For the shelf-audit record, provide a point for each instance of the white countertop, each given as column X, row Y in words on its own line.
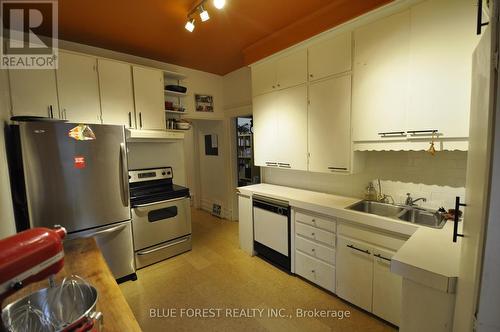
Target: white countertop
column 428, row 257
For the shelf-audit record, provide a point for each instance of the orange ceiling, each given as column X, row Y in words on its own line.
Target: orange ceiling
column 243, row 32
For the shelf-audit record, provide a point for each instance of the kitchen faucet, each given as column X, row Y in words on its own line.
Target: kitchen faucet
column 410, row 201
column 383, row 198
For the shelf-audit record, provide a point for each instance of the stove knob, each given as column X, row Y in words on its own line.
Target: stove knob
column 163, row 173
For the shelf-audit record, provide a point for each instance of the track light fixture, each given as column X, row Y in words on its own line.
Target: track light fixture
column 204, row 16
column 190, row 25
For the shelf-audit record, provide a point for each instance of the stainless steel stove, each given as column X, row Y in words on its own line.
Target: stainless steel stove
column 161, row 215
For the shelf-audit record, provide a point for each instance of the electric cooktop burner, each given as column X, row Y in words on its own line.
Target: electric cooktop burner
column 154, row 185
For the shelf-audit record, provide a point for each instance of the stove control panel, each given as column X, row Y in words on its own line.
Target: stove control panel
column 141, row 175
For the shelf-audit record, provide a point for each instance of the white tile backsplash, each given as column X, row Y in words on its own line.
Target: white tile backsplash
column 438, row 178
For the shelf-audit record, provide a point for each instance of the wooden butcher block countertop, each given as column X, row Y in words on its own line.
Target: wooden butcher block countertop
column 84, row 259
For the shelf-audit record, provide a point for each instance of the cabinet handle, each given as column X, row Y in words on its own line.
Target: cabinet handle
column 284, row 165
column 416, row 132
column 382, row 257
column 455, row 219
column 480, row 22
column 361, row 250
column 274, row 87
column 140, row 120
column 130, row 119
column 51, row 112
column 337, row 168
column 313, row 271
column 392, row 133
column 313, row 250
column 312, row 234
column 314, row 220
column 271, row 163
column 279, row 85
column 311, row 75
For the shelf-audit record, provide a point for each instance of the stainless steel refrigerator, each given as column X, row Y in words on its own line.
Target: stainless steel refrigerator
column 76, row 175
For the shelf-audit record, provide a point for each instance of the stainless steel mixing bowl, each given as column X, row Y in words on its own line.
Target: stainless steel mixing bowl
column 60, row 308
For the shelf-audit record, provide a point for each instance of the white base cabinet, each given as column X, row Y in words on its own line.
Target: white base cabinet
column 245, row 223
column 315, row 248
column 355, row 272
column 363, row 271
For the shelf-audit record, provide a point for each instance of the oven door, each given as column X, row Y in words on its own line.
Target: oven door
column 162, row 221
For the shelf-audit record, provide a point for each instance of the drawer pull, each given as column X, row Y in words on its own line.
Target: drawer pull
column 313, row 250
column 382, row 257
column 313, row 271
column 312, row 234
column 314, row 220
column 358, row 249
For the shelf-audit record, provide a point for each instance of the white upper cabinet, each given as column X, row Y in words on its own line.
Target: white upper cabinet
column 280, row 128
column 78, row 88
column 34, row 92
column 285, row 72
column 117, row 95
column 149, row 98
column 291, row 142
column 329, row 57
column 380, row 79
column 329, row 124
column 263, row 78
column 291, row 70
column 265, row 120
column 441, row 45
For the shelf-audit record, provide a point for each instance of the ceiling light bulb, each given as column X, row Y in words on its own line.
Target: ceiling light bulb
column 204, row 14
column 190, row 25
column 219, row 4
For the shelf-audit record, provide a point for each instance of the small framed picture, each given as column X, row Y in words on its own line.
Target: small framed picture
column 204, row 103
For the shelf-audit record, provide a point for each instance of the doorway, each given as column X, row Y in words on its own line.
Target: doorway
column 247, row 172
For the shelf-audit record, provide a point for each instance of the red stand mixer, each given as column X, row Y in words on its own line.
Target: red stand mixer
column 34, row 255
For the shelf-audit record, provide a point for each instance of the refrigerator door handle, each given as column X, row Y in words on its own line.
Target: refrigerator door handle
column 104, row 231
column 126, row 193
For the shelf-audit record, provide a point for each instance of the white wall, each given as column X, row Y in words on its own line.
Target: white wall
column 7, row 224
column 439, row 178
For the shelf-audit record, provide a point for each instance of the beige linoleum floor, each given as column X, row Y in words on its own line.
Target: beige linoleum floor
column 216, row 274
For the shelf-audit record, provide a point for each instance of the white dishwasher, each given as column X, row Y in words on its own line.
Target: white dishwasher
column 271, row 227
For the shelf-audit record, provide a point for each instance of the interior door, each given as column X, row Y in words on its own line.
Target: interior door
column 117, row 94
column 78, row 88
column 483, row 103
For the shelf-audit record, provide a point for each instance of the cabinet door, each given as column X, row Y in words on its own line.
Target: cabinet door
column 330, row 125
column 245, row 223
column 329, row 57
column 291, row 70
column 265, row 129
column 34, row 92
column 386, row 288
column 117, row 94
column 78, row 88
column 354, row 272
column 291, row 143
column 149, row 98
column 440, row 66
column 380, row 81
column 263, row 78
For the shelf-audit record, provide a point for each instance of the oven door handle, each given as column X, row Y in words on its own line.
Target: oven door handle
column 145, row 252
column 159, row 202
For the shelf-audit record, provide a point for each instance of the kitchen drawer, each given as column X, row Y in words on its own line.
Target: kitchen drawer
column 315, row 271
column 315, row 249
column 320, row 222
column 369, row 235
column 315, row 234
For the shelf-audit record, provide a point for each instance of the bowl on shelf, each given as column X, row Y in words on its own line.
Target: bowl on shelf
column 182, row 125
column 176, row 88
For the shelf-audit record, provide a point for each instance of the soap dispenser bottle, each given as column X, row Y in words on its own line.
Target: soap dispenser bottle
column 371, row 193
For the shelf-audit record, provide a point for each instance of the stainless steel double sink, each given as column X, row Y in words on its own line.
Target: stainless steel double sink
column 413, row 214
